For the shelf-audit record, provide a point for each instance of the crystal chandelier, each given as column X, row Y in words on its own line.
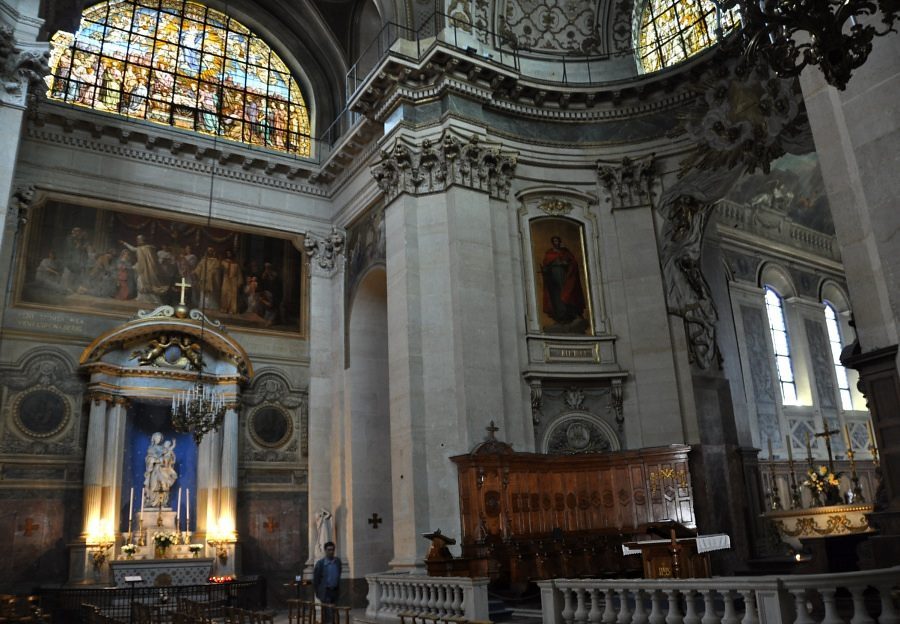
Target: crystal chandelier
column 198, row 410
column 788, row 35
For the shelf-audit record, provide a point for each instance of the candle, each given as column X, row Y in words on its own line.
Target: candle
column 178, row 512
column 130, row 508
column 847, row 436
column 871, row 433
column 142, row 501
column 187, row 501
column 770, row 448
column 787, row 440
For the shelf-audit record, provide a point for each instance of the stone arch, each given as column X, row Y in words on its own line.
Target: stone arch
column 778, row 278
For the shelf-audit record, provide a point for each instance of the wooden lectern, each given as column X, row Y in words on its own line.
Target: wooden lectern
column 673, row 556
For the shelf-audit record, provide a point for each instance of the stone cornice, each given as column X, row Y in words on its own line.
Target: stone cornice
column 434, row 166
column 442, row 68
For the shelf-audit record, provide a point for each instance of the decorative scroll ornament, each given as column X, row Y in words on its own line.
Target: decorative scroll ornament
column 167, row 311
column 432, row 168
column 744, row 118
column 616, row 400
column 323, row 250
column 555, row 207
column 20, row 69
column 687, row 293
column 574, row 398
column 629, row 183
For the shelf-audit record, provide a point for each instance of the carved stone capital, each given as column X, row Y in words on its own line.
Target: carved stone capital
column 19, row 205
column 433, row 167
column 20, row 69
column 323, row 250
column 628, row 183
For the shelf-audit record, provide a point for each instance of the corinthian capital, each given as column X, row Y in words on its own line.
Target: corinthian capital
column 20, row 68
column 629, row 183
column 323, row 250
column 434, row 166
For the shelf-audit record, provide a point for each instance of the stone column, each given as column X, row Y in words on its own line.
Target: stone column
column 857, row 136
column 229, row 472
column 20, row 72
column 325, row 361
column 94, row 455
column 209, row 455
column 112, row 469
column 446, row 276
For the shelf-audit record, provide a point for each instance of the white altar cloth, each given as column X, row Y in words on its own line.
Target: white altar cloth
column 705, row 543
column 162, row 572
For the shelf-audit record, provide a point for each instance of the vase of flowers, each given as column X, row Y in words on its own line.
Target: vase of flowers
column 161, row 543
column 128, row 550
column 195, row 549
column 824, row 486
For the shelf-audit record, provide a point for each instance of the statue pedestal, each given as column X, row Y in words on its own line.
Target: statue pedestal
column 157, row 520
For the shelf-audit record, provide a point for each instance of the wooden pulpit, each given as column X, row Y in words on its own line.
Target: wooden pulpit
column 680, row 553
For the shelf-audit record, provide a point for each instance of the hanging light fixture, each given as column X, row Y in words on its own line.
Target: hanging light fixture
column 201, row 408
column 836, row 35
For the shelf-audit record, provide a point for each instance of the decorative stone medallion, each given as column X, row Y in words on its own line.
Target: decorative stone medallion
column 578, row 433
column 271, row 426
column 41, row 413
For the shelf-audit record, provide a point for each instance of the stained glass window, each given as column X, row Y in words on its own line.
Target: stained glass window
column 781, row 347
column 673, row 30
column 180, row 63
column 834, row 339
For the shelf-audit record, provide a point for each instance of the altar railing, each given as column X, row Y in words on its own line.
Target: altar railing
column 857, row 597
column 393, row 594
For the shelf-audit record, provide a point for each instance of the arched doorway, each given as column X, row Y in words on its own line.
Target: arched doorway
column 367, row 432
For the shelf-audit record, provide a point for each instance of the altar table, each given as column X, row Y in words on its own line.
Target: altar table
column 162, row 572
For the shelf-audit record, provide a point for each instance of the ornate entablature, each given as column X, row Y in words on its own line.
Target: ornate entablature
column 435, row 165
column 156, row 354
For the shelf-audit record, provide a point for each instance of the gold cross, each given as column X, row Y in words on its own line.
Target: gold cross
column 182, row 285
column 827, row 433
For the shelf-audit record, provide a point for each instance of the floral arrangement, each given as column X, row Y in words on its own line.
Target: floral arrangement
column 824, row 484
column 164, row 539
column 129, row 549
column 195, row 548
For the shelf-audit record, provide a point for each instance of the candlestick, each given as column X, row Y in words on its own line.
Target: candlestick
column 787, row 440
column 769, row 440
column 808, row 450
column 871, row 433
column 847, row 437
column 142, row 501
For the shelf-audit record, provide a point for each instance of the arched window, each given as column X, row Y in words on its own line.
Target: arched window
column 180, row 63
column 834, row 337
column 781, row 346
column 673, row 30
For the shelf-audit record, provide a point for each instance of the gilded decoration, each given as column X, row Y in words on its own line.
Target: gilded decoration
column 822, row 521
column 170, row 351
column 555, row 207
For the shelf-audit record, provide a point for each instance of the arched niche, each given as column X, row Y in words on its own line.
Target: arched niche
column 134, row 372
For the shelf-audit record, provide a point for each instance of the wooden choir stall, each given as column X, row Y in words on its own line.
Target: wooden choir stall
column 529, row 516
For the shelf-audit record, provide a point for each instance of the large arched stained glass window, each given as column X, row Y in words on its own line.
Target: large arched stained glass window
column 673, row 30
column 183, row 64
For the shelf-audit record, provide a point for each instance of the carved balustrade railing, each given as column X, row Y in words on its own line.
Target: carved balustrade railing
column 855, row 597
column 393, row 594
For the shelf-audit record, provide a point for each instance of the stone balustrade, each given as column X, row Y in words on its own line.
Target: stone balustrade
column 800, row 599
column 391, row 594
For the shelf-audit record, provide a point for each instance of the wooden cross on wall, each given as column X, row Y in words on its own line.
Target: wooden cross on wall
column 375, row 520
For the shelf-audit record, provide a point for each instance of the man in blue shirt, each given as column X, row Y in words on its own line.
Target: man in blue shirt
column 326, row 581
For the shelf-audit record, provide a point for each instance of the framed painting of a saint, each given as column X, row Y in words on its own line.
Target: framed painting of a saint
column 561, row 276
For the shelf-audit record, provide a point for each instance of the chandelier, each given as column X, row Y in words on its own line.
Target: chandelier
column 788, row 35
column 198, row 410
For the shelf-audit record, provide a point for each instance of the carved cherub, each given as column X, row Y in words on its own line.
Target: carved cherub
column 157, row 348
column 191, row 350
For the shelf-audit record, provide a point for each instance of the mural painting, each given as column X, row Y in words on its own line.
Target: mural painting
column 561, row 277
column 95, row 260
